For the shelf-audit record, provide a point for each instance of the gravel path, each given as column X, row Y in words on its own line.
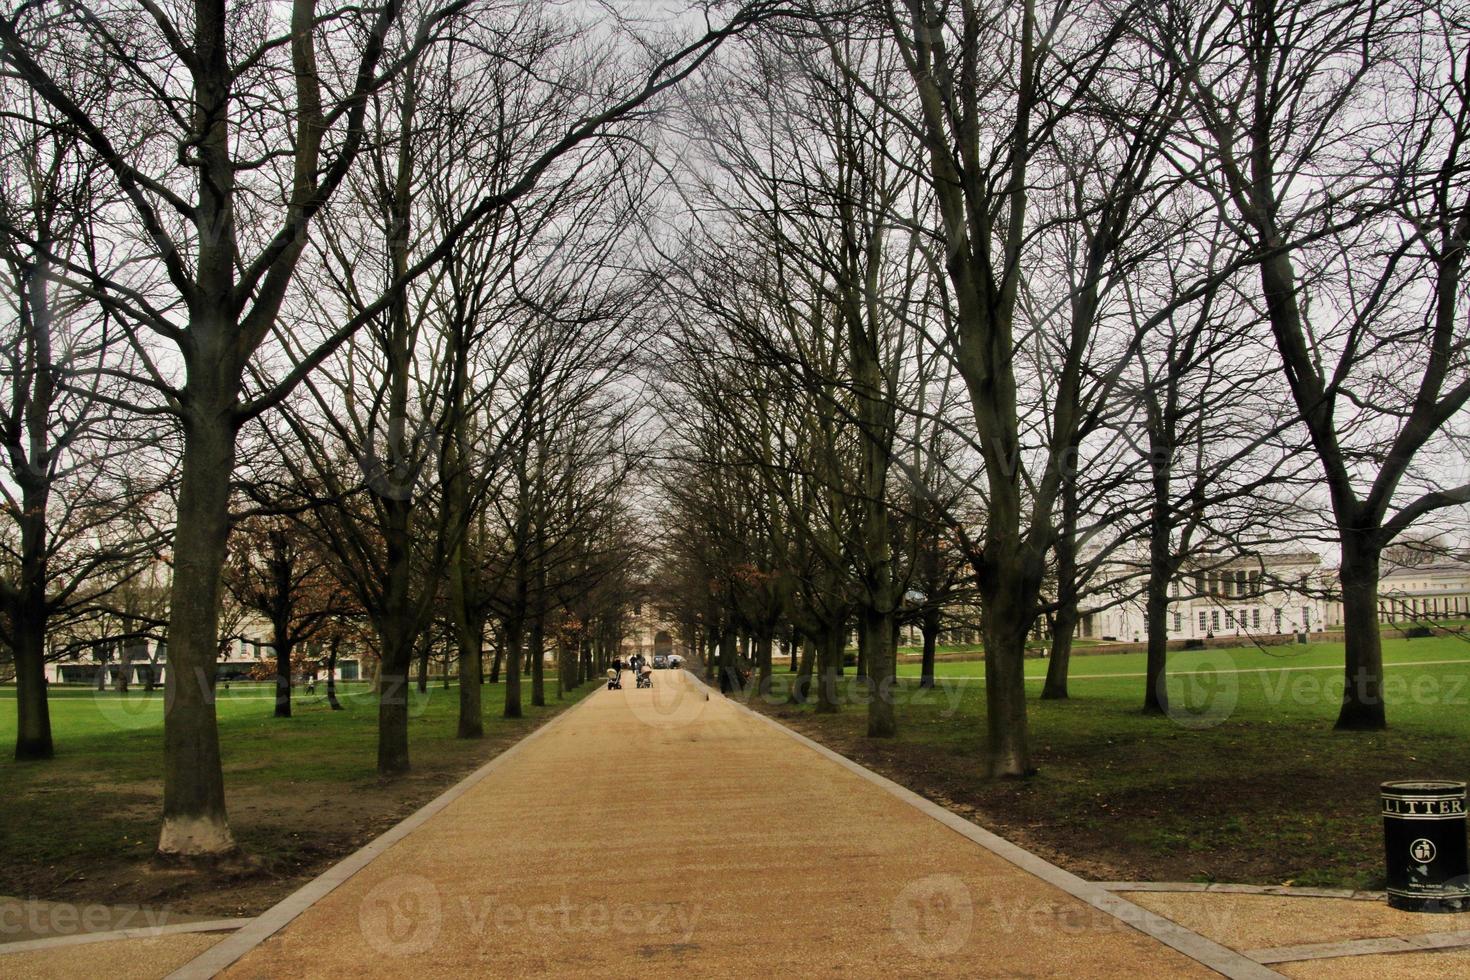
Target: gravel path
column 670, row 832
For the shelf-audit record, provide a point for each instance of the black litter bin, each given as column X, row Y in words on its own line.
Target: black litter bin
column 1424, row 842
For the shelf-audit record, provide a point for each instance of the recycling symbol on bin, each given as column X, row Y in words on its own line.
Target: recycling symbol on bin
column 1422, row 850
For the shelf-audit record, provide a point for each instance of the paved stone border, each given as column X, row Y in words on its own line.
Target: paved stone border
column 137, row 932
column 1206, row 952
column 277, row 917
column 1225, row 888
column 1361, row 947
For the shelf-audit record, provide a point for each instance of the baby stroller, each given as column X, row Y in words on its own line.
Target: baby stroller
column 645, row 676
column 614, row 680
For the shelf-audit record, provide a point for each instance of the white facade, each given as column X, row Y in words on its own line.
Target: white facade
column 650, row 634
column 1265, row 595
column 1433, row 591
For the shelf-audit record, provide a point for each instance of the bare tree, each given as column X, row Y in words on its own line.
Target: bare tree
column 1333, row 139
column 223, row 203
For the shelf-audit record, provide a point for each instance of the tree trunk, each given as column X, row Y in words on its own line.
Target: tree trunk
column 425, row 647
column 332, row 676
column 729, row 666
column 397, row 631
column 470, row 636
column 711, row 655
column 929, row 627
column 194, row 821
column 1156, row 619
column 830, row 649
column 1059, row 659
column 763, row 653
column 801, row 685
column 29, row 614
column 565, row 675
column 1064, row 623
column 1362, row 695
column 397, row 661
column 795, row 646
column 282, row 641
column 1007, row 619
column 33, row 715
column 538, row 661
column 882, row 676
column 513, row 629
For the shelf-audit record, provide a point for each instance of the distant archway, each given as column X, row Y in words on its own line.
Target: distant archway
column 663, row 644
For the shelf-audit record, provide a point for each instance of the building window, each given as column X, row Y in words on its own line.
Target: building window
column 1256, row 618
column 1203, row 625
column 1229, row 618
column 1214, row 619
column 1276, row 618
column 1178, row 621
column 1306, row 617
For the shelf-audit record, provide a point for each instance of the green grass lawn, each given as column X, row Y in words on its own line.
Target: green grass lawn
column 302, row 791
column 1246, row 782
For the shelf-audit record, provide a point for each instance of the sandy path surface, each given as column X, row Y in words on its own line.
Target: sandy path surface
column 122, row 959
column 665, row 832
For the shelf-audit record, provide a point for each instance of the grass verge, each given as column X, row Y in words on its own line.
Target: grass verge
column 302, row 792
column 1246, row 781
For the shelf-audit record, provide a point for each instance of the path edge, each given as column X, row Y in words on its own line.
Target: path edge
column 112, row 935
column 1223, row 960
column 227, row 952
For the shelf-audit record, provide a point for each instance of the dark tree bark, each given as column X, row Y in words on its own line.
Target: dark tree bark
column 421, row 657
column 334, row 643
column 830, row 646
column 729, row 663
column 538, row 660
column 929, row 628
column 1064, row 619
column 514, row 629
column 194, row 822
column 763, row 654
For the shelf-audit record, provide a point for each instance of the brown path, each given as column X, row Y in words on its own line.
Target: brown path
column 669, row 832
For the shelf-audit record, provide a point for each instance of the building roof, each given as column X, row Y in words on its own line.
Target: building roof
column 1433, row 569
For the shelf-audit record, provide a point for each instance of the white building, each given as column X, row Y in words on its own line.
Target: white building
column 650, row 634
column 1262, row 595
column 1434, row 591
column 242, row 656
